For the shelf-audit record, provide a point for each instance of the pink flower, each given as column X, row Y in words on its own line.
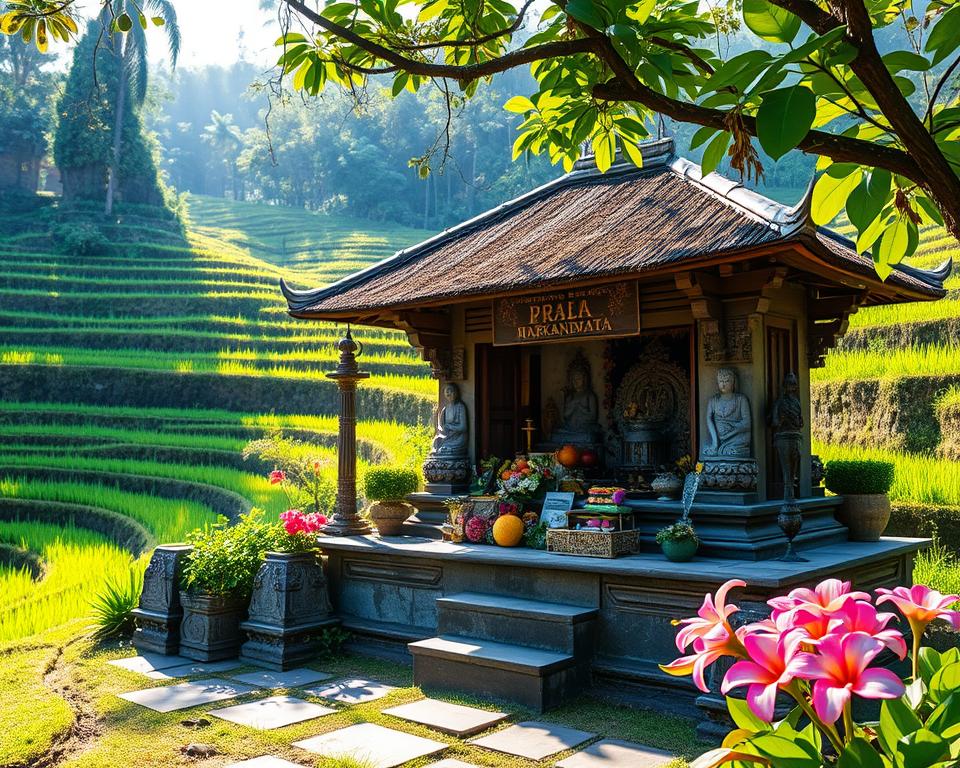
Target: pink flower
column 829, row 595
column 475, row 529
column 293, row 522
column 921, row 605
column 858, row 616
column 277, row 476
column 315, row 521
column 711, row 620
column 771, row 666
column 840, row 669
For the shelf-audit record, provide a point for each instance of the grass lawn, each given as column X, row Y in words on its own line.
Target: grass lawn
column 115, row 732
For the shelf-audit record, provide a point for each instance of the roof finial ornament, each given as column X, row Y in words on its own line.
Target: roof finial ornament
column 800, row 216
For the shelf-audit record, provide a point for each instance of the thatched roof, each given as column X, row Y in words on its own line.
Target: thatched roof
column 587, row 225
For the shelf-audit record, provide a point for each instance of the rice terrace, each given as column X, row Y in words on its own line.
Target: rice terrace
column 492, row 385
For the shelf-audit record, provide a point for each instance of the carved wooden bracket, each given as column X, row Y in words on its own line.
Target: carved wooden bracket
column 827, row 320
column 774, row 281
column 429, row 331
column 701, row 289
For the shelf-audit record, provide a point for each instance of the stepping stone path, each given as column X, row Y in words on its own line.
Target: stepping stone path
column 611, row 753
column 265, row 762
column 173, row 697
column 368, row 743
column 274, row 712
column 351, row 691
column 149, row 662
column 192, row 668
column 454, row 719
column 293, row 678
column 534, row 740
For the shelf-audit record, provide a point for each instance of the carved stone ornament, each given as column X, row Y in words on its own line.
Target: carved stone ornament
column 210, row 630
column 289, row 608
column 729, row 474
column 727, row 341
column 159, row 612
column 446, row 470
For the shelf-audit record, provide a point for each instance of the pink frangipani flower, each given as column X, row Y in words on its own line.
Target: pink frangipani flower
column 706, row 651
column 858, row 616
column 921, row 605
column 710, row 623
column 829, row 595
column 771, row 666
column 839, row 670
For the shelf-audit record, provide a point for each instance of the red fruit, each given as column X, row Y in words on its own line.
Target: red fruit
column 589, row 458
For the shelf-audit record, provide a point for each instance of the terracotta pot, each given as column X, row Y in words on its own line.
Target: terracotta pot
column 389, row 516
column 865, row 514
column 680, row 551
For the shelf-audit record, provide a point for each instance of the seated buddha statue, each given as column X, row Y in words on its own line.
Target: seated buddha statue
column 728, row 419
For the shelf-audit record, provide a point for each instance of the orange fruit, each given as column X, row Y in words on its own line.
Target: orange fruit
column 508, row 530
column 505, row 475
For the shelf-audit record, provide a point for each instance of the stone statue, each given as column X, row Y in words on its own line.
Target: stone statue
column 580, row 422
column 452, row 425
column 728, row 419
column 786, row 420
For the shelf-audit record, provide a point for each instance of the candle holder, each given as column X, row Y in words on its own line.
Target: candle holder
column 790, row 521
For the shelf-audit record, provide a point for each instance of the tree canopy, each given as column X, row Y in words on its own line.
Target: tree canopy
column 886, row 126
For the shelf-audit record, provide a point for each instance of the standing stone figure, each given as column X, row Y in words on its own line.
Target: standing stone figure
column 786, row 420
column 581, row 408
column 728, row 419
column 452, row 425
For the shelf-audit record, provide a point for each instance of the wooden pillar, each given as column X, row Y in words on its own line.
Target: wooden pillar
column 345, row 520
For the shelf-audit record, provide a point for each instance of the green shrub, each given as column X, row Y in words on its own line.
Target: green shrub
column 113, row 606
column 390, row 483
column 937, row 521
column 863, row 476
column 225, row 557
column 80, row 238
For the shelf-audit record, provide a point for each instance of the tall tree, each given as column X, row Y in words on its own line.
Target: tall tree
column 225, row 137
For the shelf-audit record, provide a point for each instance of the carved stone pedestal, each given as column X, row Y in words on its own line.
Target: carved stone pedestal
column 288, row 609
column 729, row 474
column 210, row 630
column 446, row 474
column 159, row 613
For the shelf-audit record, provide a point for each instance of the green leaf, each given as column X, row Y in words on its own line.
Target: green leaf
column 158, row 21
column 701, row 136
column 945, row 36
column 642, row 11
column 770, row 22
column 945, row 719
column 896, row 721
column 862, row 207
column 922, row 749
column 830, row 195
column 859, row 754
column 893, row 244
column 519, row 104
column 786, row 753
column 632, row 151
column 714, row 152
column 604, row 150
column 744, row 717
column 123, row 22
column 586, row 11
column 900, row 60
column 944, row 682
column 784, row 118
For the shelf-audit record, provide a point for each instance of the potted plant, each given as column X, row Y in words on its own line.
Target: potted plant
column 216, row 582
column 289, row 606
column 679, row 541
column 387, row 487
column 864, row 486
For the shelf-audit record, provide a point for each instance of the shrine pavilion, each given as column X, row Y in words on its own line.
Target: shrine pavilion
column 640, row 315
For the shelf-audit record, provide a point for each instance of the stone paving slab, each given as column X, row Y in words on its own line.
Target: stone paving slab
column 369, row 743
column 611, row 753
column 267, row 761
column 454, row 719
column 149, row 662
column 185, row 695
column 534, row 740
column 193, row 668
column 273, row 712
column 354, row 691
column 292, row 678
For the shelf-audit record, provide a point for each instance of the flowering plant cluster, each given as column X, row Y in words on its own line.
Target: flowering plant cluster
column 300, row 473
column 819, row 647
column 300, row 530
column 526, row 478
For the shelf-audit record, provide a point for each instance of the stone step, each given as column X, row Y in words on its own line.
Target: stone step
column 550, row 626
column 532, row 677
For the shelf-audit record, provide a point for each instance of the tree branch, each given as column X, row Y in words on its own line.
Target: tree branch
column 684, row 51
column 465, row 72
column 476, row 42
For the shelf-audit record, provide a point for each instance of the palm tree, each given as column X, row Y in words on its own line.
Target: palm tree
column 225, row 137
column 131, row 48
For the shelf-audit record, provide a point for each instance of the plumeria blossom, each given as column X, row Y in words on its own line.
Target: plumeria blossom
column 773, row 664
column 841, row 668
column 710, row 623
column 705, row 653
column 277, row 476
column 921, row 605
column 859, row 616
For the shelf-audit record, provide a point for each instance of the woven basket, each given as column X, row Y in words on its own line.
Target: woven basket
column 564, row 541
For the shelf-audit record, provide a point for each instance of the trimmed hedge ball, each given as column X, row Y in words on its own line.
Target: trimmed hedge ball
column 858, row 477
column 390, row 483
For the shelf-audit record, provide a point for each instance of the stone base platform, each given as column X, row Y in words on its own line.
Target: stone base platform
column 386, row 592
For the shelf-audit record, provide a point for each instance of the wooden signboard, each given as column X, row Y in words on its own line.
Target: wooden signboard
column 578, row 313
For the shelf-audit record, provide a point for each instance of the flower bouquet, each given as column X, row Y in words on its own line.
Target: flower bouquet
column 819, row 649
column 527, row 479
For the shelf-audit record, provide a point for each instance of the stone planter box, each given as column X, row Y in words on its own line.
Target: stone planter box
column 289, row 608
column 159, row 612
column 210, row 630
